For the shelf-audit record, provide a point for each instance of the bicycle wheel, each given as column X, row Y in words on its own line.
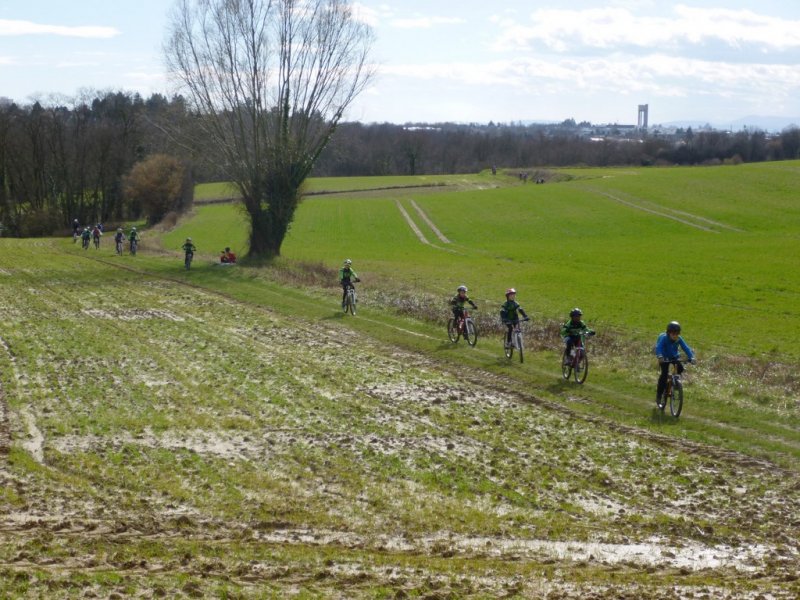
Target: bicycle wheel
column 509, row 349
column 566, row 365
column 452, row 330
column 581, row 366
column 187, row 261
column 676, row 398
column 351, row 301
column 519, row 345
column 471, row 332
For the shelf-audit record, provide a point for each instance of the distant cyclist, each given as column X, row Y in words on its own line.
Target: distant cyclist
column 572, row 330
column 133, row 239
column 188, row 249
column 76, row 229
column 457, row 303
column 119, row 238
column 86, row 236
column 509, row 313
column 96, row 233
column 346, row 278
column 667, row 351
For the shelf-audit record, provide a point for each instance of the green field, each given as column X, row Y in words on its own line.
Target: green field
column 227, row 432
column 713, row 248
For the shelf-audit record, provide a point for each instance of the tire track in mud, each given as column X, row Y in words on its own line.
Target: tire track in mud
column 510, row 387
column 5, row 424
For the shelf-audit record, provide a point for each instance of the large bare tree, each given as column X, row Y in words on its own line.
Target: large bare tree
column 269, row 81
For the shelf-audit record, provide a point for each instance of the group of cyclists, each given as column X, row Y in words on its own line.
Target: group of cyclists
column 88, row 235
column 667, row 348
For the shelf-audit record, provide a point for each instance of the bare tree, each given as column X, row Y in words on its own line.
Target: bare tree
column 269, row 81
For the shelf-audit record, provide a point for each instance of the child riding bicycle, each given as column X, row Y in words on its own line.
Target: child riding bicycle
column 667, row 352
column 346, row 278
column 508, row 313
column 457, row 303
column 572, row 330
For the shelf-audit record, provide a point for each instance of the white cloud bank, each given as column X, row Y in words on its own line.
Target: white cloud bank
column 14, row 28
column 608, row 28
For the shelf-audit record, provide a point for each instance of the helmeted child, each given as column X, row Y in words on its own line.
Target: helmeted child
column 86, row 235
column 667, row 352
column 346, row 278
column 458, row 301
column 509, row 313
column 572, row 330
column 96, row 233
column 188, row 247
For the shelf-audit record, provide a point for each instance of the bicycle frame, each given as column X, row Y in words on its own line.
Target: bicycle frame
column 577, row 364
column 673, row 392
column 516, row 342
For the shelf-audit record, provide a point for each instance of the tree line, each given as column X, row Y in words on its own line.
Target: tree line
column 87, row 158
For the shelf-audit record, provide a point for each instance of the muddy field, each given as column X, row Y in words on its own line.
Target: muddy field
column 160, row 440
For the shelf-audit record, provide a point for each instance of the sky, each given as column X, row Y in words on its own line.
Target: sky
column 465, row 60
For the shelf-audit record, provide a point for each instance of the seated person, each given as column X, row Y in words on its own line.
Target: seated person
column 223, row 257
column 230, row 255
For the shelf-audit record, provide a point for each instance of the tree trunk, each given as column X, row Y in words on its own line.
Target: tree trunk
column 269, row 225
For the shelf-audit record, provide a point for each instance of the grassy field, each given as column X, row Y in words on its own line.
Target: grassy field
column 227, row 432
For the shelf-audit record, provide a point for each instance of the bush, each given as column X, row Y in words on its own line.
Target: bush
column 158, row 185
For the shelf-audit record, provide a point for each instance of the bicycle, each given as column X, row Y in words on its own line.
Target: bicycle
column 96, row 243
column 516, row 341
column 85, row 243
column 350, row 299
column 75, row 236
column 119, row 247
column 134, row 245
column 577, row 362
column 187, row 261
column 674, row 391
column 464, row 327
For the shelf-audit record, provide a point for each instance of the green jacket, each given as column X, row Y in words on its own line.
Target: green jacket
column 509, row 310
column 346, row 274
column 134, row 235
column 572, row 329
column 459, row 302
column 189, row 248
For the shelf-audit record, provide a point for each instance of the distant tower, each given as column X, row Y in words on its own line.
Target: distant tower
column 642, row 123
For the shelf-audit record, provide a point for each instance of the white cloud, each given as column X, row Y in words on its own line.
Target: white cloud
column 426, row 22
column 606, row 28
column 9, row 28
column 655, row 75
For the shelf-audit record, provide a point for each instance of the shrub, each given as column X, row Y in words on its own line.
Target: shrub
column 158, row 185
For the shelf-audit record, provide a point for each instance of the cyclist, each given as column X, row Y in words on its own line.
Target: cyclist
column 76, row 229
column 133, row 238
column 86, row 235
column 346, row 278
column 508, row 313
column 119, row 237
column 96, row 233
column 572, row 330
column 188, row 247
column 666, row 350
column 457, row 303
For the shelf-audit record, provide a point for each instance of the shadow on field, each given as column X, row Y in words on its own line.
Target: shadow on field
column 338, row 315
column 662, row 418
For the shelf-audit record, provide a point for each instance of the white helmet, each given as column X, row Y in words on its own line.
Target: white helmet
column 348, row 262
column 462, row 288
